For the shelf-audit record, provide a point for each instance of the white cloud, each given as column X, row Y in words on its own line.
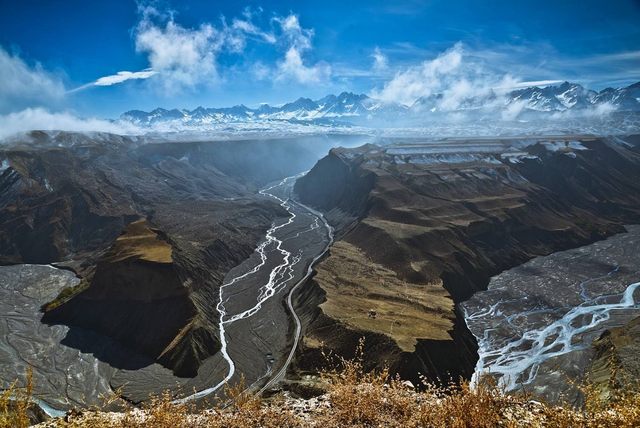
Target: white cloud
column 41, row 119
column 185, row 58
column 260, row 71
column 380, row 60
column 24, row 85
column 247, row 27
column 297, row 37
column 292, row 67
column 298, row 40
column 424, row 79
column 123, row 76
column 460, row 75
column 120, row 77
column 512, row 111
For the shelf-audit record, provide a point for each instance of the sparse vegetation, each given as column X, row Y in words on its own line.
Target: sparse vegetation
column 354, row 398
column 15, row 404
column 66, row 294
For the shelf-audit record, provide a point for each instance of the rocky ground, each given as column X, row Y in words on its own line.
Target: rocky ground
column 64, row 374
column 432, row 222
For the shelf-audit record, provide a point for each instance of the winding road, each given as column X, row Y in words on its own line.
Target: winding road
column 281, row 263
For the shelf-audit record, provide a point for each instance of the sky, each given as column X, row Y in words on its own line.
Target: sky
column 100, row 58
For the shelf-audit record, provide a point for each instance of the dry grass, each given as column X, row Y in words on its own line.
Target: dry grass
column 16, row 405
column 354, row 398
column 66, row 294
column 404, row 311
column 139, row 240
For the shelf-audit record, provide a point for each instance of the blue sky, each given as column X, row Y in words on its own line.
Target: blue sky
column 221, row 53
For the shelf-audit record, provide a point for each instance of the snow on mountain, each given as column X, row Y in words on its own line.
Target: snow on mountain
column 360, row 109
column 554, row 98
column 623, row 98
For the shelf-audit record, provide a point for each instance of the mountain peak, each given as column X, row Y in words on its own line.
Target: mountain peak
column 361, row 108
column 300, row 104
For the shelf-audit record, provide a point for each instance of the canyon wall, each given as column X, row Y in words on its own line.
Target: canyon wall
column 445, row 216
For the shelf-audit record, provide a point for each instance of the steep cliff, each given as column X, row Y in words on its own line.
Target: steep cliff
column 448, row 215
column 615, row 362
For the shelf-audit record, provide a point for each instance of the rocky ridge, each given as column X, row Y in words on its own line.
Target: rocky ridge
column 450, row 215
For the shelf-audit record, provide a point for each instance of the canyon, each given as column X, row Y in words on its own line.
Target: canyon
column 196, row 263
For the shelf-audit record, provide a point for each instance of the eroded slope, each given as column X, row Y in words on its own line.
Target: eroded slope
column 451, row 214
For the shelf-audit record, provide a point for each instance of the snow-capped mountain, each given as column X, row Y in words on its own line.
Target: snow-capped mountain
column 624, row 98
column 555, row 98
column 364, row 110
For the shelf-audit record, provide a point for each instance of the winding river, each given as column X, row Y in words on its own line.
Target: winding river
column 259, row 328
column 280, row 259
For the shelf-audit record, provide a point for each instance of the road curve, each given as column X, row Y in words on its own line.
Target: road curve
column 270, row 249
column 292, row 310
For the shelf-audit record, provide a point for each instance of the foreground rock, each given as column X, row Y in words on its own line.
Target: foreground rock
column 615, row 361
column 368, row 403
column 137, row 298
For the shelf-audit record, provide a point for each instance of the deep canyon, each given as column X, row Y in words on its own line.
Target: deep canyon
column 194, row 263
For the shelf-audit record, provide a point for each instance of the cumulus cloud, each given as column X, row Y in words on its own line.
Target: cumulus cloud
column 23, row 85
column 298, row 41
column 292, row 67
column 424, row 79
column 42, row 119
column 462, row 83
column 380, row 60
column 183, row 57
column 458, row 76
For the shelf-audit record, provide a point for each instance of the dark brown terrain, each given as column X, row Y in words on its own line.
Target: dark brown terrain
column 421, row 221
column 66, row 198
column 152, row 229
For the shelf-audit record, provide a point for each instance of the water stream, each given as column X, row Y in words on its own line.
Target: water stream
column 553, row 306
column 279, row 277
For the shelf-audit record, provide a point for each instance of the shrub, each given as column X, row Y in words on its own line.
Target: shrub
column 16, row 404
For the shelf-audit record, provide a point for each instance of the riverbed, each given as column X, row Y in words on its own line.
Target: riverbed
column 258, row 328
column 535, row 323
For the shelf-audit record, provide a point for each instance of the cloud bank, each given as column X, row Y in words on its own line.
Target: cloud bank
column 452, row 73
column 22, row 84
column 42, row 119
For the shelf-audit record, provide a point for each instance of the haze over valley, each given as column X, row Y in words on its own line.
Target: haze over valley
column 457, row 209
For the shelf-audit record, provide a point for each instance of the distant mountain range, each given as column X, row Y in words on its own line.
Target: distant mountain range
column 526, row 103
